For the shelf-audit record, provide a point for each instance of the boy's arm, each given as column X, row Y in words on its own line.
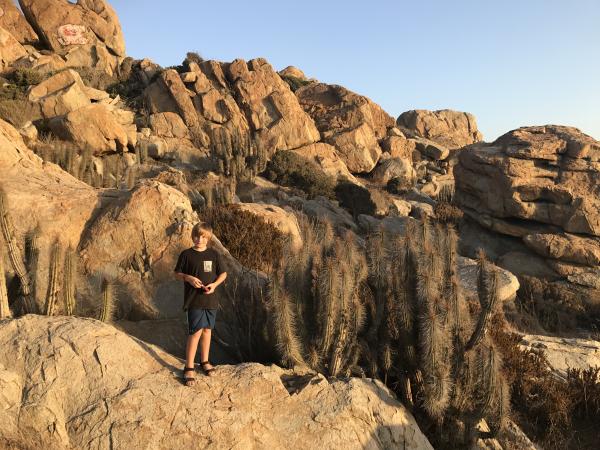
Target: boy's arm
column 212, row 286
column 189, row 279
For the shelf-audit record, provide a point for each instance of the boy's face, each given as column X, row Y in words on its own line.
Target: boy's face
column 202, row 239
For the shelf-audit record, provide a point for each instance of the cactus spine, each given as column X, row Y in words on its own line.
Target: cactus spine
column 14, row 253
column 4, row 308
column 69, row 282
column 53, row 279
column 108, row 301
column 32, row 253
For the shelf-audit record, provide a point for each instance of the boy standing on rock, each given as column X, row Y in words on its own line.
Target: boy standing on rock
column 199, row 267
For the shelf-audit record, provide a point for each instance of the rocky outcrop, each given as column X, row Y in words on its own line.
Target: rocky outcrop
column 327, row 158
column 13, row 21
column 540, row 185
column 564, row 353
column 452, row 129
column 395, row 168
column 291, row 71
column 60, row 94
column 10, row 49
column 352, row 123
column 77, row 383
column 119, row 233
column 86, row 33
column 270, row 105
column 99, row 127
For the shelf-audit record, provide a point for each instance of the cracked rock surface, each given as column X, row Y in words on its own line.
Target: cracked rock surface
column 78, row 383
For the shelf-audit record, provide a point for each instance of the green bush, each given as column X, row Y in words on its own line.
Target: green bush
column 26, row 77
column 290, row 169
column 244, row 234
column 355, row 198
column 398, row 186
column 295, row 83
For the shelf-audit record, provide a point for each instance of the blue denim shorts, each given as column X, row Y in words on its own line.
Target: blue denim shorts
column 201, row 318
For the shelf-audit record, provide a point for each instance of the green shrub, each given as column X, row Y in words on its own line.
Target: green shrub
column 295, row 83
column 26, row 77
column 290, row 169
column 192, row 57
column 355, row 198
column 398, row 186
column 244, row 234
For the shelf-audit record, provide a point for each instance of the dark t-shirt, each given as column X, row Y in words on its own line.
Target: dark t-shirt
column 206, row 266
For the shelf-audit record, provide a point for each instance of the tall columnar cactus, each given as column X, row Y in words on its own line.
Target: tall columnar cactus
column 69, row 282
column 53, row 279
column 32, row 254
column 324, row 281
column 4, row 307
column 108, row 301
column 10, row 240
column 452, row 369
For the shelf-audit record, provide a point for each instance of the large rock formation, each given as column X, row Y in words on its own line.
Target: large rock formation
column 452, row 129
column 86, row 33
column 270, row 105
column 564, row 353
column 352, row 123
column 10, row 49
column 119, row 232
column 226, row 105
column 13, row 21
column 540, row 185
column 77, row 383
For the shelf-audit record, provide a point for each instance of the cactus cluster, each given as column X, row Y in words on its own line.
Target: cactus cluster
column 238, row 154
column 444, row 363
column 393, row 309
column 322, row 286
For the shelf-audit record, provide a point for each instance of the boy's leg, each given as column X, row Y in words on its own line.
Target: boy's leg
column 205, row 346
column 192, row 347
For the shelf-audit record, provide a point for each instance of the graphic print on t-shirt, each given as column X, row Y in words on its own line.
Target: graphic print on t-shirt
column 207, row 266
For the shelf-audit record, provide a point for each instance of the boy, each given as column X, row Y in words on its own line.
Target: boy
column 199, row 267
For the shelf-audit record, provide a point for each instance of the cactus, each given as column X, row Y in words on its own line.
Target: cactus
column 108, row 301
column 69, row 282
column 324, row 280
column 4, row 307
column 487, row 290
column 32, row 253
column 14, row 252
column 53, row 279
column 284, row 324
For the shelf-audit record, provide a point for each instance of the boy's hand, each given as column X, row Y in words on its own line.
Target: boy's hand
column 209, row 288
column 194, row 281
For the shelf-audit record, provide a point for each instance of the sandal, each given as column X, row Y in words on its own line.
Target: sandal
column 206, row 371
column 188, row 381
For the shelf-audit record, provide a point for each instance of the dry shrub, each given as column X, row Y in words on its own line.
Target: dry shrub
column 19, row 111
column 96, row 78
column 555, row 412
column 558, row 306
column 289, row 169
column 355, row 198
column 447, row 213
column 244, row 234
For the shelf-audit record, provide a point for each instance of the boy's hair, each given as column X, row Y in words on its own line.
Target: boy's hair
column 199, row 228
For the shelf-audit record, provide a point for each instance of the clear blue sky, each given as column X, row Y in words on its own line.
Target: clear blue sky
column 511, row 63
